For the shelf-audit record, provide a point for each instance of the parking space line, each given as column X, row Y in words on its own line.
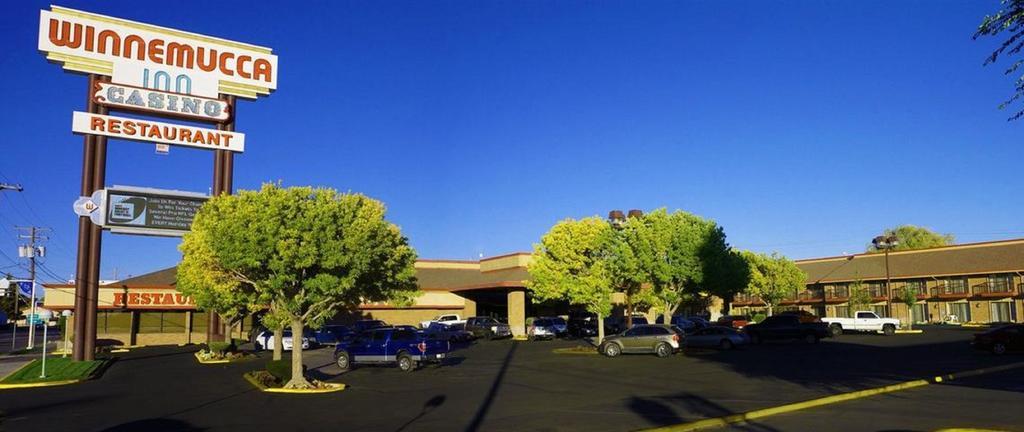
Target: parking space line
column 827, row 400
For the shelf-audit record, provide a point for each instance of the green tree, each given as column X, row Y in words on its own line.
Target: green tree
column 860, row 298
column 676, row 251
column 624, row 250
column 1010, row 19
column 908, row 296
column 306, row 252
column 915, row 237
column 773, row 278
column 571, row 263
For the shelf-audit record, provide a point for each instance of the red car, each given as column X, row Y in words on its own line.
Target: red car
column 734, row 321
column 1001, row 339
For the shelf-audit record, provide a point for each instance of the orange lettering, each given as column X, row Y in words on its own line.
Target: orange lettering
column 118, row 299
column 224, row 57
column 97, row 123
column 133, row 298
column 114, row 126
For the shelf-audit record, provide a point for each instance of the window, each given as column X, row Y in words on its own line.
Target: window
column 917, row 285
column 657, row 331
column 962, row 311
column 842, row 311
column 866, row 315
column 881, row 311
column 379, row 336
column 1002, row 312
column 921, row 313
column 954, row 286
column 635, row 331
column 1001, row 283
column 401, row 335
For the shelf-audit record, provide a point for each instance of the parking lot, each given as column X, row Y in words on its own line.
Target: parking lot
column 514, row 386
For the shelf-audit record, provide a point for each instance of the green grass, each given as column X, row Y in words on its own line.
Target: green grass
column 57, row 369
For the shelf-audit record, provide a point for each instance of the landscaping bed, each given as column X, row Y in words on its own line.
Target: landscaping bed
column 279, row 372
column 58, row 371
column 221, row 352
column 578, row 349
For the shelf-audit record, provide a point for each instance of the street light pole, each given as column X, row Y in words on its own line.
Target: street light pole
column 887, row 242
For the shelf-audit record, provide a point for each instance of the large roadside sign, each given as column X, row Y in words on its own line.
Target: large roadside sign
column 146, row 211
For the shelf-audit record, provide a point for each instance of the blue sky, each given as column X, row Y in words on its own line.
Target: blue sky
column 801, row 127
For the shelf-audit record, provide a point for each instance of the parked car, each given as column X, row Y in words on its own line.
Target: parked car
column 265, row 340
column 863, row 321
column 449, row 332
column 724, row 338
column 487, row 327
column 340, row 332
column 781, row 327
column 734, row 321
column 617, row 324
column 364, row 325
column 443, row 318
column 804, row 316
column 387, row 345
column 701, row 322
column 1000, row 340
column 323, row 336
column 582, row 326
column 689, row 326
column 542, row 329
column 660, row 339
column 561, row 326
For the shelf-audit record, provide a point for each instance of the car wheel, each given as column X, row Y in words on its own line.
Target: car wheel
column 343, row 361
column 663, row 350
column 998, row 348
column 836, row 329
column 725, row 345
column 405, row 363
column 612, row 350
column 889, row 329
column 811, row 338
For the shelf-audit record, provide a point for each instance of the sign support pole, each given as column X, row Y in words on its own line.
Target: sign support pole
column 99, row 175
column 84, row 237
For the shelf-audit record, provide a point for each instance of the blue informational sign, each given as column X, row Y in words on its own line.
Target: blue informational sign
column 25, row 289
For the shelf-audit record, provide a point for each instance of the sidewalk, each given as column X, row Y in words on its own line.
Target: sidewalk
column 9, row 364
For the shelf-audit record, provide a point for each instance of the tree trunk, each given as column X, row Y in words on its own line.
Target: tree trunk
column 668, row 313
column 298, row 380
column 910, row 313
column 629, row 310
column 770, row 309
column 600, row 329
column 278, row 335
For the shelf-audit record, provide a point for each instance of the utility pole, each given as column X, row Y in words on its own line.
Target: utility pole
column 31, row 251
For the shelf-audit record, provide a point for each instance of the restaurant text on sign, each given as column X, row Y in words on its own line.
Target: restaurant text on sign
column 151, row 299
column 151, row 131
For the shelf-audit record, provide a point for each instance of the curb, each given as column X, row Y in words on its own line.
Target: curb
column 334, row 388
column 196, row 355
column 827, row 400
column 38, row 384
column 909, row 331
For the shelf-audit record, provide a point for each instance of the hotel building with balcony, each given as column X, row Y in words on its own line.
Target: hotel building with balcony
column 976, row 282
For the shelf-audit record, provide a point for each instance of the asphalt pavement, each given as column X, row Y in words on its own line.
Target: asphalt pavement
column 523, row 386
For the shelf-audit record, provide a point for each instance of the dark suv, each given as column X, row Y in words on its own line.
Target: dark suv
column 487, row 327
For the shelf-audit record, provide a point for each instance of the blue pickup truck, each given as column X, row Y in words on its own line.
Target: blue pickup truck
column 403, row 347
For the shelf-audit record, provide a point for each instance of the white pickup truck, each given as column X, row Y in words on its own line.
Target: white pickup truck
column 443, row 318
column 863, row 321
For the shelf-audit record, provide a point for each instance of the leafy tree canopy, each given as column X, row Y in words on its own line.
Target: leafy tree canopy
column 773, row 277
column 915, row 237
column 570, row 263
column 1010, row 19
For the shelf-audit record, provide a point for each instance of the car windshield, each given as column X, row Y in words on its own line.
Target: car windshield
column 558, row 321
column 542, row 323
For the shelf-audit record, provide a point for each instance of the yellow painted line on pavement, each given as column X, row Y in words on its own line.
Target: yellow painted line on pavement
column 37, row 384
column 827, row 400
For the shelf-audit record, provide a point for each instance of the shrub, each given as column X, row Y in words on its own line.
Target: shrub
column 758, row 317
column 221, row 348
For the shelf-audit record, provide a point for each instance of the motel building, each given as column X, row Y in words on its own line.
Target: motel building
column 148, row 310
column 977, row 282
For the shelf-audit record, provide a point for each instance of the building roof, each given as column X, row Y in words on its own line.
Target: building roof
column 505, row 271
column 963, row 259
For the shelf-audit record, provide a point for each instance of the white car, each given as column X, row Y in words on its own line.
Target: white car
column 863, row 321
column 443, row 319
column 265, row 340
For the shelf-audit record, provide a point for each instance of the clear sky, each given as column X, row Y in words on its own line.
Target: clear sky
column 801, row 127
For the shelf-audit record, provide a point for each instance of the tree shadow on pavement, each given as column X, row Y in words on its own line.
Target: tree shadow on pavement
column 154, row 424
column 685, row 407
column 481, row 412
column 429, row 406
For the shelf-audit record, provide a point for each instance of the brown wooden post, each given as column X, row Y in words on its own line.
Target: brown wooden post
column 84, row 238
column 99, row 176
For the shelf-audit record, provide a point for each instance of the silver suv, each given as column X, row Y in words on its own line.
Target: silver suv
column 662, row 340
